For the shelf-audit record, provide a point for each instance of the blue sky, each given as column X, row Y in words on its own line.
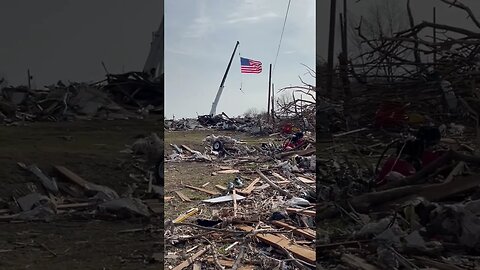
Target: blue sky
column 200, row 36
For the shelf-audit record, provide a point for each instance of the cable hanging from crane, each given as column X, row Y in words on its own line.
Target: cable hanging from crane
column 281, row 36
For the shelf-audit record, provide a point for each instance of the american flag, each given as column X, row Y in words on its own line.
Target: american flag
column 250, row 66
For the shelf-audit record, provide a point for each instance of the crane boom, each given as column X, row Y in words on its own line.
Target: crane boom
column 155, row 57
column 220, row 89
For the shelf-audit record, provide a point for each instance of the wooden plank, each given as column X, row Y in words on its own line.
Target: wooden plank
column 75, row 205
column 310, row 213
column 49, row 183
column 436, row 264
column 190, row 260
column 84, row 183
column 228, row 171
column 301, row 252
column 182, row 196
column 273, row 185
column 344, row 243
column 220, row 187
column 307, row 233
column 349, row 132
column 355, row 262
column 280, row 177
column 431, row 192
column 282, row 182
column 73, row 177
column 306, row 180
column 188, row 149
column 186, row 215
column 250, row 187
column 203, row 190
column 296, row 152
column 230, row 263
column 197, row 266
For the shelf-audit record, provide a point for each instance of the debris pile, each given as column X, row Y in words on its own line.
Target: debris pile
column 252, row 125
column 399, row 168
column 124, row 96
column 404, row 201
column 263, row 216
column 67, row 194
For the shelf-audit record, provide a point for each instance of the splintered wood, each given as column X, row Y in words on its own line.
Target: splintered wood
column 250, row 187
column 230, row 263
column 190, row 260
column 300, row 252
column 228, row 171
column 203, row 190
column 357, row 263
column 246, row 191
column 310, row 213
column 182, row 196
column 305, row 232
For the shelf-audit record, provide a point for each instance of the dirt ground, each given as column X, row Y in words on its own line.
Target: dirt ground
column 91, row 149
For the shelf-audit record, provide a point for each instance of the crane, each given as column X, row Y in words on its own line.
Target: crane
column 222, row 84
column 154, row 62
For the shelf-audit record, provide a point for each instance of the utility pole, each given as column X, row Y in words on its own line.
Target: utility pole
column 273, row 103
column 434, row 36
column 269, row 90
column 331, row 46
column 29, row 76
column 345, row 46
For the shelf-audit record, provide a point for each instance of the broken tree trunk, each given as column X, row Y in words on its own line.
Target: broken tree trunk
column 431, row 192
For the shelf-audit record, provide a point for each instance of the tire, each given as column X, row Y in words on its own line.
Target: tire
column 217, row 146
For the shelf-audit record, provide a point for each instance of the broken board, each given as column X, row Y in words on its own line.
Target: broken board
column 310, row 213
column 250, row 187
column 306, row 180
column 305, row 232
column 301, row 252
column 203, row 190
column 230, row 263
column 228, row 171
column 355, row 262
column 182, row 196
column 190, row 260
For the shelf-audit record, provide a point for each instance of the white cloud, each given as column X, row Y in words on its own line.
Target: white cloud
column 201, row 25
column 237, row 18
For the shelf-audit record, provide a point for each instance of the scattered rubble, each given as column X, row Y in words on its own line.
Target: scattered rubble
column 91, row 200
column 398, row 174
column 120, row 96
column 262, row 217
